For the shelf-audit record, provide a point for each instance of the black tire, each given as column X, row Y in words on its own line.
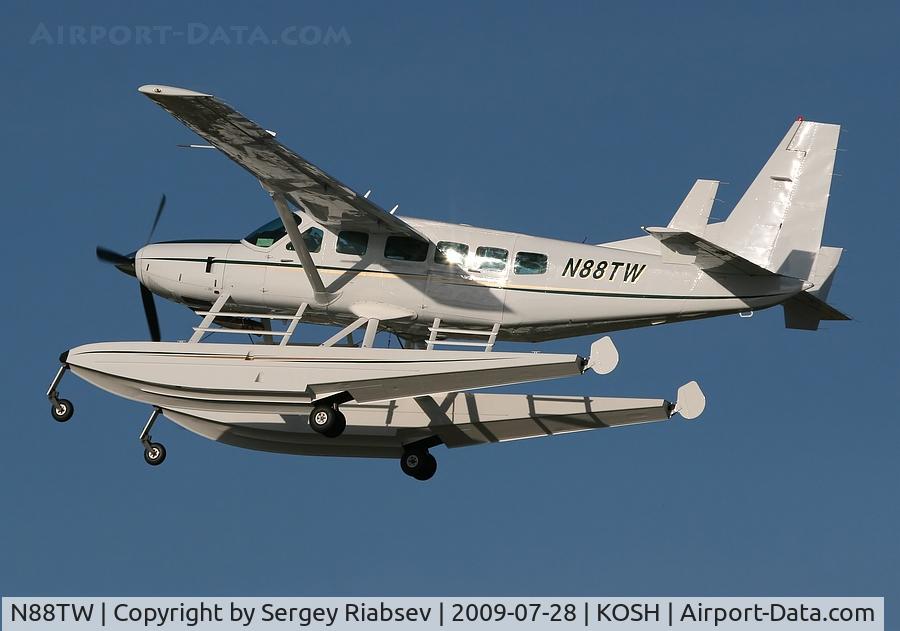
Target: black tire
column 62, row 410
column 328, row 421
column 154, row 454
column 340, row 424
column 420, row 465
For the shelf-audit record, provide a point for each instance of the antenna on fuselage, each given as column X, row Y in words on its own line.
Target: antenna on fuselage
column 394, row 209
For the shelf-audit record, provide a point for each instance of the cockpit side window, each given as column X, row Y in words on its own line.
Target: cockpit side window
column 269, row 234
column 313, row 239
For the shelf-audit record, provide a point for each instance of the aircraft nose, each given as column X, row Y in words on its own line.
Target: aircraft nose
column 137, row 259
column 158, row 269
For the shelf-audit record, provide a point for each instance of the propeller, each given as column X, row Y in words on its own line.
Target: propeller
column 150, row 313
column 159, row 209
column 126, row 263
column 120, row 261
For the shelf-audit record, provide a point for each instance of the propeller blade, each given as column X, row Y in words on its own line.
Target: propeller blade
column 159, row 209
column 150, row 313
column 122, row 262
column 108, row 256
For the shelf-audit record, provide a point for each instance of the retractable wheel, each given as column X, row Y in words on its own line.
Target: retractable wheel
column 61, row 409
column 420, row 465
column 154, row 454
column 327, row 420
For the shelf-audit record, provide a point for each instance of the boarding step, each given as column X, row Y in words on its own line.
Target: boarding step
column 261, row 316
column 439, row 335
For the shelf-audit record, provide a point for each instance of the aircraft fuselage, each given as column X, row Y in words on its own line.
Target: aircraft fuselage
column 535, row 288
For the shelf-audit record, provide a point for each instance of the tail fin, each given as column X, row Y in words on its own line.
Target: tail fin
column 776, row 227
column 778, row 222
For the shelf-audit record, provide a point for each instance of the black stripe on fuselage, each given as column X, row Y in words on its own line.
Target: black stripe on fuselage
column 564, row 292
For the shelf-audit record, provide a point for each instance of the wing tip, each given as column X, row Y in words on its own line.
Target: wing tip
column 152, row 90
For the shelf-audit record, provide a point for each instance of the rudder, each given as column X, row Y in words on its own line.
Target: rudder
column 778, row 222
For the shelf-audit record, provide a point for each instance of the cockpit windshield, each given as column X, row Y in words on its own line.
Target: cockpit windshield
column 269, row 234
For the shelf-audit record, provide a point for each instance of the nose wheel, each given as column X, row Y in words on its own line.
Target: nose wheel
column 327, row 420
column 61, row 410
column 418, row 464
column 154, row 454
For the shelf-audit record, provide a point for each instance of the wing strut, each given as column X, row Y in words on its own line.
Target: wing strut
column 322, row 296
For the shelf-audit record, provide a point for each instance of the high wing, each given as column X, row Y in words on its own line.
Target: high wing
column 279, row 170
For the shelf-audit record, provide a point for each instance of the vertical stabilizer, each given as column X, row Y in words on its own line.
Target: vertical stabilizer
column 778, row 222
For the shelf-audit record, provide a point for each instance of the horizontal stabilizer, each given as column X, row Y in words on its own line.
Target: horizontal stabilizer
column 693, row 214
column 804, row 311
column 708, row 256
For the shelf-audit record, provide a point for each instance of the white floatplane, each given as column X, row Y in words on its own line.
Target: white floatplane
column 352, row 401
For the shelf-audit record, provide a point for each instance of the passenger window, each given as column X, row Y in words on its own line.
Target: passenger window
column 490, row 259
column 350, row 242
column 405, row 249
column 450, row 253
column 313, row 239
column 530, row 263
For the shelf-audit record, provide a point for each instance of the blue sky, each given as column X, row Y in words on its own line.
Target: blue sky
column 572, row 120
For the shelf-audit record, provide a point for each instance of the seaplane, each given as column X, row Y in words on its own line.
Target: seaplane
column 333, row 256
